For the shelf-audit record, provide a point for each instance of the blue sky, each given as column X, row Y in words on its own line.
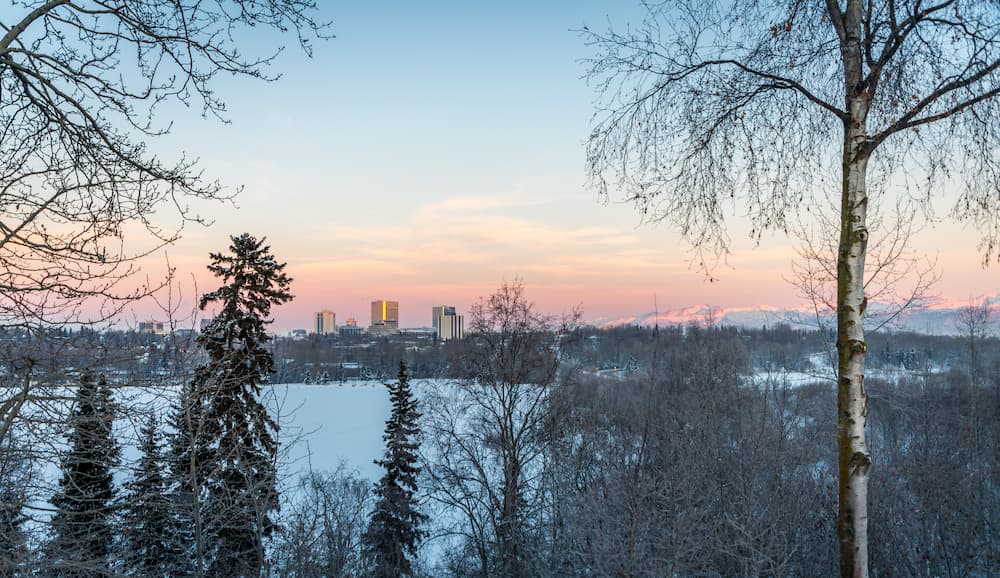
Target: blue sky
column 431, row 150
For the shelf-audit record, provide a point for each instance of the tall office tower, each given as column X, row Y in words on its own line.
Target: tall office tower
column 152, row 327
column 438, row 312
column 385, row 315
column 326, row 322
column 450, row 326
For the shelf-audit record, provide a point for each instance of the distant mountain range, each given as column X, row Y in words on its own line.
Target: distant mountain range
column 938, row 318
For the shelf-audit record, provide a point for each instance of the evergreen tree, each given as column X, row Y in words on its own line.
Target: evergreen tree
column 241, row 472
column 15, row 474
column 13, row 548
column 393, row 533
column 82, row 527
column 149, row 548
column 186, row 460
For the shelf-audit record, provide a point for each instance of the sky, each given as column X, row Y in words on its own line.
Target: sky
column 431, row 151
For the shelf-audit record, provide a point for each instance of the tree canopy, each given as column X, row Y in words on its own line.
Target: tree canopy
column 84, row 88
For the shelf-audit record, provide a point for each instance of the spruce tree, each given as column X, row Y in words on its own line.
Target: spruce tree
column 241, row 472
column 83, row 525
column 393, row 533
column 13, row 542
column 187, row 460
column 15, row 478
column 149, row 547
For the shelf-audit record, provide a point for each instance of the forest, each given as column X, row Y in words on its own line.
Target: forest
column 530, row 448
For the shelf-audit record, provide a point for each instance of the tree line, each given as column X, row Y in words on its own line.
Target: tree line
column 703, row 460
column 202, row 499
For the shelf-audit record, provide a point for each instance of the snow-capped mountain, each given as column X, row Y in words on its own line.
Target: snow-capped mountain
column 937, row 318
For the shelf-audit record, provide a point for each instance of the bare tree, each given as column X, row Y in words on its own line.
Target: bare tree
column 898, row 280
column 323, row 524
column 486, row 438
column 16, row 471
column 974, row 323
column 706, row 105
column 85, row 86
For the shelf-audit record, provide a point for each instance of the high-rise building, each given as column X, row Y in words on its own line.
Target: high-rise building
column 325, row 322
column 152, row 327
column 450, row 327
column 385, row 315
column 447, row 325
column 438, row 312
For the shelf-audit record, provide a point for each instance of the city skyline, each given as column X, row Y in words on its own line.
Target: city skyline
column 476, row 177
column 445, row 321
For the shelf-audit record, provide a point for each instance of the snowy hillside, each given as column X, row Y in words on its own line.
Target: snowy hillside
column 937, row 319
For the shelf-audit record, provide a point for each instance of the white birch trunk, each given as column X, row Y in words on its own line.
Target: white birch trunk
column 852, row 401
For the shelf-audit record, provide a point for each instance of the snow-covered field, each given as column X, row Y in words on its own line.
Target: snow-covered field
column 324, row 425
column 822, row 371
column 321, row 426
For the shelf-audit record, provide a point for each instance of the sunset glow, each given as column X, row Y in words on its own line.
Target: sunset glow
column 394, row 165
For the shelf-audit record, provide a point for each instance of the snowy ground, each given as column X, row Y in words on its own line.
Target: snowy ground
column 822, row 371
column 324, row 425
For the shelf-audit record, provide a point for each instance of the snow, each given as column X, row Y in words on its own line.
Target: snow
column 821, row 371
column 324, row 425
column 789, row 379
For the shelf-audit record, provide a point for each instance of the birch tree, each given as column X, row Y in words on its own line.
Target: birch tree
column 706, row 107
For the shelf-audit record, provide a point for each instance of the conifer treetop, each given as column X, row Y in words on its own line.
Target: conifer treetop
column 252, row 279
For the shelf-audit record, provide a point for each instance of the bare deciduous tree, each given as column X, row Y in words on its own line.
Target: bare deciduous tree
column 707, row 105
column 897, row 279
column 974, row 323
column 323, row 524
column 487, row 437
column 83, row 85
